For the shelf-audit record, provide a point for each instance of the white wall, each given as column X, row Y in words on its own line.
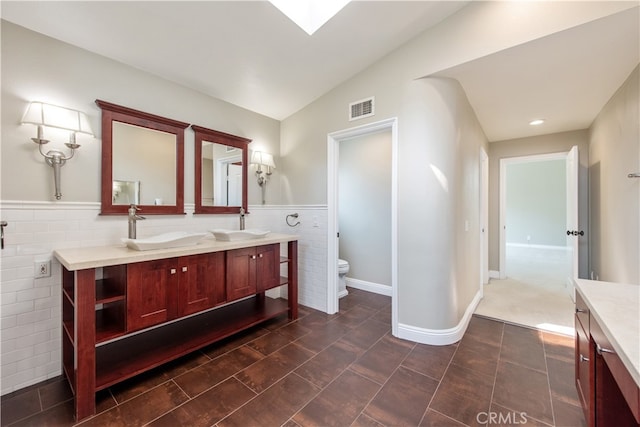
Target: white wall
column 35, row 67
column 614, row 152
column 364, row 201
column 536, row 203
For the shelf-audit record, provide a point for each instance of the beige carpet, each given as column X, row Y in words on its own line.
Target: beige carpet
column 534, row 292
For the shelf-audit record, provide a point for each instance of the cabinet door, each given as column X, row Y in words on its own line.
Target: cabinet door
column 151, row 293
column 268, row 267
column 201, row 282
column 583, row 370
column 241, row 273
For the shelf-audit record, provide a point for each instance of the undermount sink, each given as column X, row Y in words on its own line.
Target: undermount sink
column 233, row 235
column 165, row 241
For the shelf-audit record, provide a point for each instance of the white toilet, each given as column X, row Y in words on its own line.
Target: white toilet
column 343, row 269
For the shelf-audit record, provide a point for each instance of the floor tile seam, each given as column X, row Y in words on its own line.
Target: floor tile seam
column 553, row 412
column 527, row 415
column 362, row 414
column 382, row 386
column 181, row 373
column 139, row 394
column 277, row 331
column 320, row 390
column 172, row 409
column 231, row 349
column 355, row 306
column 418, row 372
column 33, row 414
column 203, row 392
column 565, row 399
column 28, row 416
column 444, row 415
column 435, row 392
column 495, row 375
column 515, row 362
column 256, row 395
column 291, row 371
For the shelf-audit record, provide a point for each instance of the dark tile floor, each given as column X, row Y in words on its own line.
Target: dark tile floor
column 339, row 370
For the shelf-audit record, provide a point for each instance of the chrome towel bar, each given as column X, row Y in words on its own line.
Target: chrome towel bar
column 634, row 175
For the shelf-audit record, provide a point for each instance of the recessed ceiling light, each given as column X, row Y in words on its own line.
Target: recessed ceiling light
column 310, row 14
column 536, row 122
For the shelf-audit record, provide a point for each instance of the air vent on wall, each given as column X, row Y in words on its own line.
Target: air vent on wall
column 361, row 109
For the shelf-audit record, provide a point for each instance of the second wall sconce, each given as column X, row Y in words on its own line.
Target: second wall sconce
column 260, row 159
column 47, row 115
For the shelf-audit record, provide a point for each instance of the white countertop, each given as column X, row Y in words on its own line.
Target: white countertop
column 616, row 308
column 102, row 256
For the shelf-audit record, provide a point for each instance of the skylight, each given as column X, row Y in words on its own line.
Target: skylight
column 310, row 14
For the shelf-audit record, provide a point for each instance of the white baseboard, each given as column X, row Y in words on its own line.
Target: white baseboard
column 342, row 294
column 493, row 274
column 376, row 288
column 440, row 336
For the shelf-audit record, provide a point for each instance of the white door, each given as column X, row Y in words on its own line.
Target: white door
column 573, row 228
column 484, row 217
column 234, row 182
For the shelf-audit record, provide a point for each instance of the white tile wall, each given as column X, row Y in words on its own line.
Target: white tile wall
column 30, row 308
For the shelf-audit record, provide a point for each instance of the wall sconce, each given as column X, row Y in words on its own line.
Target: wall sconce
column 261, row 159
column 41, row 115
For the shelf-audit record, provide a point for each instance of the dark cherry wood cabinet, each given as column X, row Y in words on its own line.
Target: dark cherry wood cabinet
column 151, row 293
column 163, row 290
column 174, row 306
column 609, row 395
column 251, row 270
column 202, row 283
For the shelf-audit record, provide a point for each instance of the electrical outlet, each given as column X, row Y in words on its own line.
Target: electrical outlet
column 42, row 269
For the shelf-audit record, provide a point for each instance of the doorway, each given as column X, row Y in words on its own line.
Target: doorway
column 333, row 150
column 538, row 204
column 364, row 212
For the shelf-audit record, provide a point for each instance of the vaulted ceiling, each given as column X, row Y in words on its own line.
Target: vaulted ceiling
column 249, row 54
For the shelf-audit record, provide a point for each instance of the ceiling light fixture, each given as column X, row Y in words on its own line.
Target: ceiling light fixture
column 536, row 122
column 310, row 14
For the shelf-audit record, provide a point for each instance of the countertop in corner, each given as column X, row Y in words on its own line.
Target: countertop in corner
column 616, row 308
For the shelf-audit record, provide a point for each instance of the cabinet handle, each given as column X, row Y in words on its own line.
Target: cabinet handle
column 601, row 350
column 580, row 310
column 583, row 359
column 253, row 257
column 260, row 256
column 184, row 269
column 173, row 271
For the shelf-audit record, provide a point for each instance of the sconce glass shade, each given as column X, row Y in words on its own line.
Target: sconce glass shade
column 263, row 159
column 42, row 114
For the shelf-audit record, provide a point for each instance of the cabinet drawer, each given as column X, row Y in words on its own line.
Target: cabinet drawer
column 582, row 312
column 619, row 372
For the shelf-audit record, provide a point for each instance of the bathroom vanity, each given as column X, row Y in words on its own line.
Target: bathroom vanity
column 125, row 311
column 607, row 356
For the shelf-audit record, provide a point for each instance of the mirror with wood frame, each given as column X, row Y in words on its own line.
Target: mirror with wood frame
column 142, row 161
column 221, row 165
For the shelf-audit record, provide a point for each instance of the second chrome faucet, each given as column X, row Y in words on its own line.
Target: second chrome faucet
column 241, row 218
column 133, row 218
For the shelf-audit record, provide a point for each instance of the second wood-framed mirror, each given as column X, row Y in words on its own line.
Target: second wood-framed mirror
column 142, row 161
column 221, row 165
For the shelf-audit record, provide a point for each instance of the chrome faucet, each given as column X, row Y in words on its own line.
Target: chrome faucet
column 241, row 218
column 133, row 218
